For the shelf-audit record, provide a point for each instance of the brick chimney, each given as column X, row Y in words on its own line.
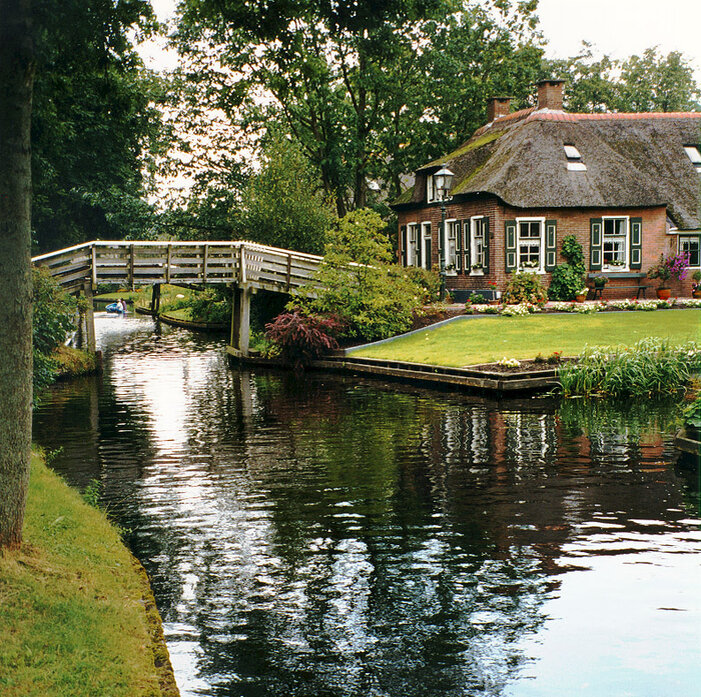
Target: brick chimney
column 550, row 94
column 498, row 107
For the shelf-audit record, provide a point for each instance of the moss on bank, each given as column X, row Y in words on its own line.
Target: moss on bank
column 76, row 609
column 72, row 363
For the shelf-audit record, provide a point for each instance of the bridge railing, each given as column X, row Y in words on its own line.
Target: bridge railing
column 146, row 263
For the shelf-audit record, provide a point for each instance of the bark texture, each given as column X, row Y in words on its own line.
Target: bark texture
column 16, row 81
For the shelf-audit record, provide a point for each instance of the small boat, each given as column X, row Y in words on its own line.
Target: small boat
column 115, row 308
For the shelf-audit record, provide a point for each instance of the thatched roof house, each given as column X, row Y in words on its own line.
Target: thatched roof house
column 568, row 172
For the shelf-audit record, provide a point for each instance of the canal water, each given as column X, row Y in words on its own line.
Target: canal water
column 330, row 536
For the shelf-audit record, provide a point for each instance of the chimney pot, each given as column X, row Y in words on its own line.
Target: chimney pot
column 498, row 107
column 550, row 94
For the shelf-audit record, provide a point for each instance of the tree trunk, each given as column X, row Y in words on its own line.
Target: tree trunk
column 16, row 80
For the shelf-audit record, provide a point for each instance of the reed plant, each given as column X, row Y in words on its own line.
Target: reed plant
column 651, row 366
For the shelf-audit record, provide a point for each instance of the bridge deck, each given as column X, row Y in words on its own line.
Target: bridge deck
column 147, row 263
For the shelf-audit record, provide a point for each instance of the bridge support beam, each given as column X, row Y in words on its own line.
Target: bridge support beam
column 240, row 321
column 155, row 299
column 90, row 343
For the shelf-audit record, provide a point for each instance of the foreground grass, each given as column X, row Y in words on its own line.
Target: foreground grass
column 71, row 604
column 487, row 339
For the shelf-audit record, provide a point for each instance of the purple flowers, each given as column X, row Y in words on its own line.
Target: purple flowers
column 673, row 266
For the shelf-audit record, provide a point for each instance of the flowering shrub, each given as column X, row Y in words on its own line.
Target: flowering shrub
column 524, row 287
column 519, row 310
column 673, row 266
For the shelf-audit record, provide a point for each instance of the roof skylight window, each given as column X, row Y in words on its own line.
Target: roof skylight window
column 574, row 159
column 694, row 155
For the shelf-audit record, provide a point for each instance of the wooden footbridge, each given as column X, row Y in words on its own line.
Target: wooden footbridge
column 244, row 266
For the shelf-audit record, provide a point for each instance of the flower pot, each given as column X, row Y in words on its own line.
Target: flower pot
column 664, row 293
column 696, row 293
column 580, row 298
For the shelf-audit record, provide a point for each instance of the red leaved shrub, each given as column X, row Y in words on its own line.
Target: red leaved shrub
column 302, row 338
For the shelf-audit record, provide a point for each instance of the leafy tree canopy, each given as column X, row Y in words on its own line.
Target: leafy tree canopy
column 94, row 122
column 651, row 82
column 368, row 90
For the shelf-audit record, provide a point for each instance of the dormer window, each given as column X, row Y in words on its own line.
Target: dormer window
column 431, row 194
column 694, row 155
column 574, row 159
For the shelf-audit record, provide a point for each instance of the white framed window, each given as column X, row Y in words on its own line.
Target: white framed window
column 694, row 155
column 412, row 250
column 530, row 244
column 691, row 244
column 477, row 242
column 426, row 245
column 431, row 193
column 615, row 243
column 450, row 245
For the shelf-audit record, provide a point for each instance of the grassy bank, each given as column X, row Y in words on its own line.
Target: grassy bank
column 488, row 339
column 74, row 605
column 71, row 363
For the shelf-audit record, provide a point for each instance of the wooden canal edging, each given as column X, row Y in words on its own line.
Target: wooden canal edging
column 246, row 267
column 481, row 378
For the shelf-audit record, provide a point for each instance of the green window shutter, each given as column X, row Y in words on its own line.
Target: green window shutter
column 550, row 244
column 429, row 260
column 486, row 245
column 510, row 245
column 419, row 245
column 465, row 234
column 403, row 243
column 636, row 243
column 458, row 247
column 440, row 241
column 596, row 230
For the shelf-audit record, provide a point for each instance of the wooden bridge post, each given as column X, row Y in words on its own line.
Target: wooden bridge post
column 240, row 321
column 89, row 318
column 155, row 298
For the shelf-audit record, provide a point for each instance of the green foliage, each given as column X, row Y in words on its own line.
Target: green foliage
column 359, row 284
column 651, row 82
column 284, row 205
column 477, row 299
column 94, row 123
column 652, row 366
column 212, row 305
column 429, row 281
column 524, row 287
column 568, row 279
column 348, row 82
column 54, row 314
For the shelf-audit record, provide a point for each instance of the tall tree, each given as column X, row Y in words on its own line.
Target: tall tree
column 16, row 80
column 359, row 85
column 94, row 120
column 651, row 82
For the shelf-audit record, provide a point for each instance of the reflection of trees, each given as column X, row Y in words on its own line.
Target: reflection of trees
column 329, row 536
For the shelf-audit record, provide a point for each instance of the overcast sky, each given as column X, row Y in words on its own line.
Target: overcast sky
column 619, row 28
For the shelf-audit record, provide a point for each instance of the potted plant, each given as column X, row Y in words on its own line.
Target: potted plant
column 477, row 269
column 496, row 294
column 581, row 294
column 600, row 281
column 696, row 285
column 671, row 267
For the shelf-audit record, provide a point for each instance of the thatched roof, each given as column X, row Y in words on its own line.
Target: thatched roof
column 632, row 160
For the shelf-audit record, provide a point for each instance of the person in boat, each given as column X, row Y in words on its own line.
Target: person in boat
column 123, row 304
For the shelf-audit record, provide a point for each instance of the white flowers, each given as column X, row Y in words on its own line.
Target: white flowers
column 509, row 362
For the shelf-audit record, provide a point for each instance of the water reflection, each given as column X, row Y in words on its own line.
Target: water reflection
column 329, row 536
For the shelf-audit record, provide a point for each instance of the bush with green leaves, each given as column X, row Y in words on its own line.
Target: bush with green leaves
column 359, row 283
column 524, row 287
column 568, row 279
column 429, row 281
column 53, row 316
column 212, row 305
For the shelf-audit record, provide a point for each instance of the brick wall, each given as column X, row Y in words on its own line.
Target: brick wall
column 569, row 222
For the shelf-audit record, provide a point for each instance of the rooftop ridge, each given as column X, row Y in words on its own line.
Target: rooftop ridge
column 543, row 115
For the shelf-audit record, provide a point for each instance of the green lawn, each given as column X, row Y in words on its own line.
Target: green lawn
column 486, row 339
column 72, row 604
